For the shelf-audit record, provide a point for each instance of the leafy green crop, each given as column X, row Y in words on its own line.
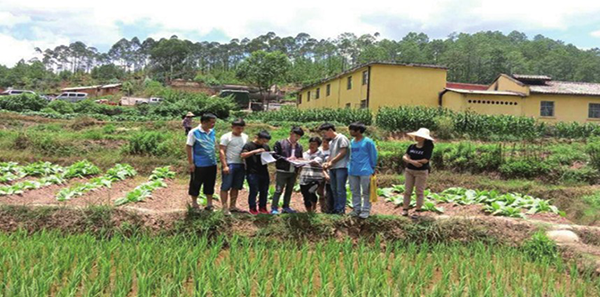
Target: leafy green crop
column 143, row 191
column 118, row 172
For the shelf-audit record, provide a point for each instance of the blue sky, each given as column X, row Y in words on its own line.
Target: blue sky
column 26, row 24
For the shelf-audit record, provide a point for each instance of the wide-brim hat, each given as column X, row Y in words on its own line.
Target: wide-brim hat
column 190, row 114
column 423, row 133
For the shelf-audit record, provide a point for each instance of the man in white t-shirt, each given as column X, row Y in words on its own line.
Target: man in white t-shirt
column 233, row 168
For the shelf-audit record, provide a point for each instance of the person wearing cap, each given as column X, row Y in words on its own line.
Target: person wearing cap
column 417, row 167
column 187, row 122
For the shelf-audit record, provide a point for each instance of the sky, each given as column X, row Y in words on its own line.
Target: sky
column 26, row 24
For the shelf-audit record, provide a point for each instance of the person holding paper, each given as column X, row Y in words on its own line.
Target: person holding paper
column 285, row 151
column 311, row 176
column 337, row 164
column 257, row 173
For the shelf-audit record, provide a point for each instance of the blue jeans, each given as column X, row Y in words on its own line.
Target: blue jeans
column 259, row 186
column 235, row 178
column 338, row 180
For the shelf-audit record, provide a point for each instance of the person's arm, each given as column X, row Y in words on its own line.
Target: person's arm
column 247, row 154
column 426, row 156
column 189, row 149
column 223, row 157
column 406, row 158
column 341, row 155
column 278, row 151
column 373, row 155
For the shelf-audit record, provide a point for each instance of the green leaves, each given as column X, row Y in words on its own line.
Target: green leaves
column 118, row 172
column 344, row 116
column 143, row 191
column 81, row 169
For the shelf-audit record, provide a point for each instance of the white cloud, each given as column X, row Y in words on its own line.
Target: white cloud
column 96, row 23
column 595, row 34
column 18, row 49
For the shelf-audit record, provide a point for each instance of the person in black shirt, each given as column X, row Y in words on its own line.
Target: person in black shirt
column 257, row 174
column 417, row 168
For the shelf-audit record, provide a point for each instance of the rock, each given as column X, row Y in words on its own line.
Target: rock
column 563, row 236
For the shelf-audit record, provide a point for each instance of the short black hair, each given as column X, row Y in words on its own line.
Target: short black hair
column 238, row 123
column 326, row 126
column 207, row 117
column 264, row 135
column 315, row 139
column 297, row 130
column 358, row 126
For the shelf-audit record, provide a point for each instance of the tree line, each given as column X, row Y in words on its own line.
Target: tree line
column 472, row 58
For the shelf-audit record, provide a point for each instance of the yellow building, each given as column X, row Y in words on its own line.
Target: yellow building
column 380, row 84
column 535, row 96
column 377, row 84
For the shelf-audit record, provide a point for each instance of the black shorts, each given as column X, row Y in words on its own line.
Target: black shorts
column 203, row 176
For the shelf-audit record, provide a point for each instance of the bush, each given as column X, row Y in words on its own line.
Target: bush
column 61, row 107
column 582, row 175
column 445, row 127
column 524, row 168
column 153, row 143
column 23, row 102
column 540, row 248
column 592, row 148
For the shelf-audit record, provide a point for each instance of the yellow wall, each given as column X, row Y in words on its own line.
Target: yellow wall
column 340, row 95
column 484, row 104
column 566, row 108
column 505, row 83
column 393, row 85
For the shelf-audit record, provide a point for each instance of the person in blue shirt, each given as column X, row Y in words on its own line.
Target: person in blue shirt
column 202, row 160
column 363, row 161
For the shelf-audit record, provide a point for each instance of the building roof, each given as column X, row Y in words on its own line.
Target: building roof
column 567, row 88
column 531, row 77
column 466, row 86
column 91, row 87
column 480, row 92
column 353, row 69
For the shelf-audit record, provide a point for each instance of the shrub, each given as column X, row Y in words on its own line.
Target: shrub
column 61, row 107
column 524, row 168
column 592, row 148
column 445, row 127
column 540, row 248
column 153, row 143
column 345, row 116
column 23, row 102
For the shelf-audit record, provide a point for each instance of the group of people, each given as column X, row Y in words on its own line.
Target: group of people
column 322, row 170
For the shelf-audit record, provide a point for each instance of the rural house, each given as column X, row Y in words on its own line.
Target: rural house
column 380, row 84
column 95, row 91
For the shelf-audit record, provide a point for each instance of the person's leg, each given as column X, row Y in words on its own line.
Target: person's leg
column 304, row 189
column 420, row 183
column 329, row 197
column 263, row 192
column 289, row 188
column 340, row 190
column 280, row 182
column 333, row 186
column 226, row 186
column 365, row 185
column 409, row 183
column 322, row 199
column 355, row 189
column 210, row 178
column 254, row 186
column 237, row 184
column 194, row 187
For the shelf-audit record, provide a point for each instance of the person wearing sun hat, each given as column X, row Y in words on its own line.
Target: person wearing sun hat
column 187, row 122
column 417, row 159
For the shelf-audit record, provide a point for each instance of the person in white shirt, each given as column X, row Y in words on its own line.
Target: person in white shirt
column 232, row 165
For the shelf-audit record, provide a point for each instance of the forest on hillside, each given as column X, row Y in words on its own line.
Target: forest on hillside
column 472, row 58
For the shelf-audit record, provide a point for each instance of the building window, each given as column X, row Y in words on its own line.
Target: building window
column 328, row 90
column 365, row 77
column 318, row 93
column 594, row 112
column 349, row 83
column 547, row 108
column 308, row 96
column 299, row 98
column 363, row 103
column 347, row 105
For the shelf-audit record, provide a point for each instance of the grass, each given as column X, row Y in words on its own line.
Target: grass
column 50, row 263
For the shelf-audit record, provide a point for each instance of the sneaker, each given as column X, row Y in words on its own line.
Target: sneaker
column 275, row 211
column 288, row 210
column 354, row 213
column 226, row 212
column 209, row 208
column 263, row 211
column 364, row 215
column 405, row 213
column 253, row 211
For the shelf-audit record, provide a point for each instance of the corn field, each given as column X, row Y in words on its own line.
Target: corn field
column 48, row 263
column 343, row 116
